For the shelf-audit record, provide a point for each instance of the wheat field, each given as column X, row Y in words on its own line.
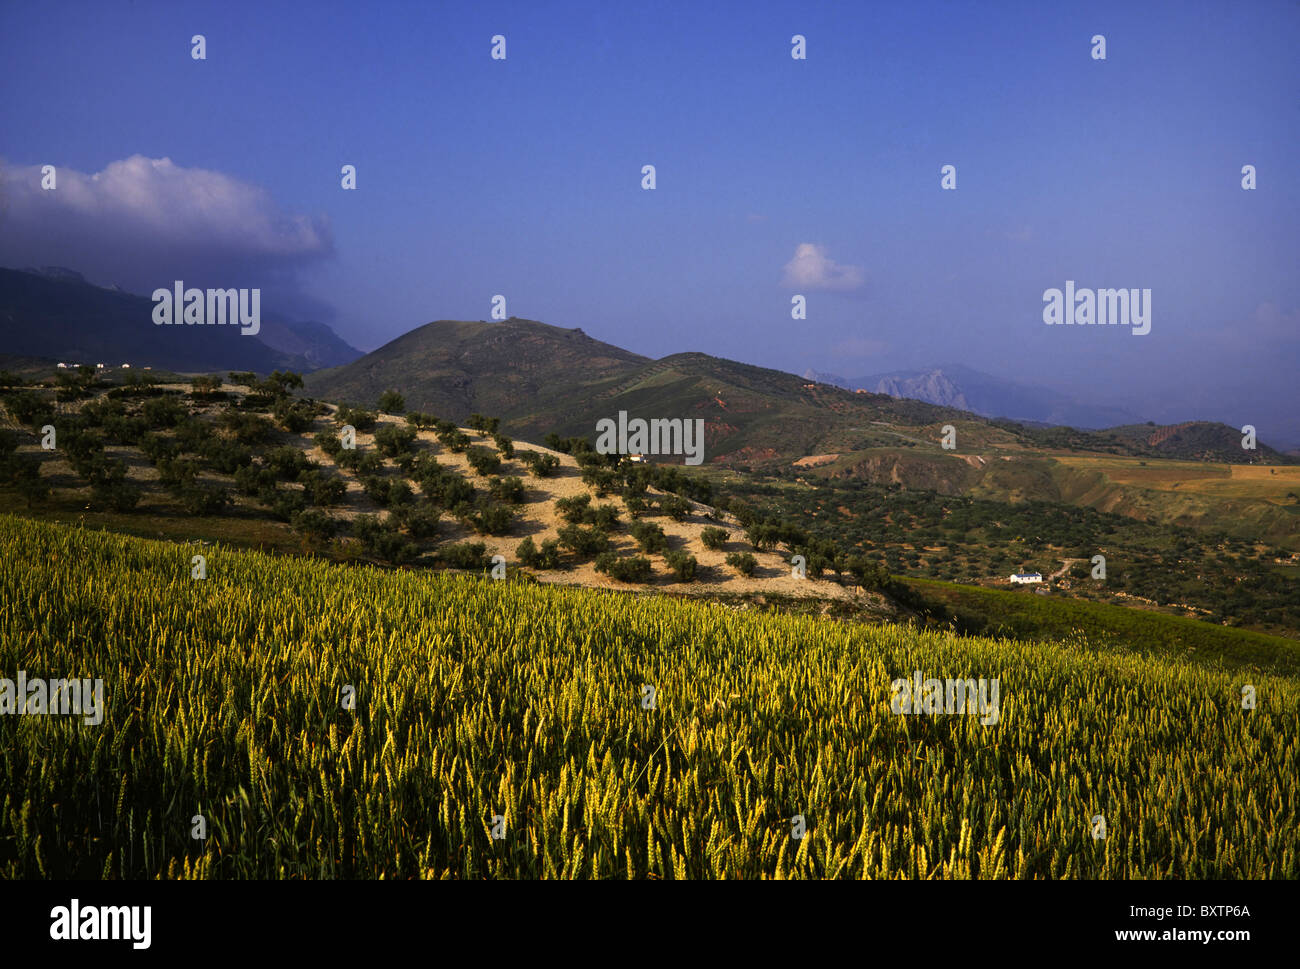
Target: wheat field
column 501, row 730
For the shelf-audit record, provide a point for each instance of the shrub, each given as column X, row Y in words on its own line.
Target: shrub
column 547, row 557
column 329, row 443
column 870, row 574
column 454, row 440
column 155, row 447
column 603, row 480
column 253, row 479
column 163, row 412
column 573, row 510
column 323, row 489
column 605, row 518
column 205, row 385
column 247, row 428
column 583, row 542
column 683, row 565
column 224, row 456
column 504, row 445
column 540, row 465
column 382, row 540
column 391, row 402
column 446, row 488
column 742, row 562
column 394, row 439
column 176, row 473
column 420, row 521
column 714, row 538
column 490, row 518
column 293, row 415
column 390, row 492
column 678, row 509
column 193, row 434
column 484, row 425
column 362, row 420
column 24, row 472
column 29, row 408
column 283, row 504
column 119, row 495
column 199, row 499
column 279, row 384
column 466, row 555
column 360, row 462
column 763, row 535
column 508, row 489
column 288, row 462
column 650, row 537
column 483, row 461
column 316, row 525
column 634, row 568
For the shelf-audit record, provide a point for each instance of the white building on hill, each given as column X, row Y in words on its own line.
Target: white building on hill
column 1026, row 578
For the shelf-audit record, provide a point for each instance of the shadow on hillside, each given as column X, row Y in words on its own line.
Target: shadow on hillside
column 524, row 527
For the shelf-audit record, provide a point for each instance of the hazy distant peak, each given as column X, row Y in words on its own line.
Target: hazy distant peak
column 932, row 386
column 57, row 272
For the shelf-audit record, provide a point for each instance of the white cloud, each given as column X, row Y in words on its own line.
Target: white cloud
column 144, row 218
column 811, row 268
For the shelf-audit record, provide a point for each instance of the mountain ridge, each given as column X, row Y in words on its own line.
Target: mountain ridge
column 55, row 313
column 540, row 378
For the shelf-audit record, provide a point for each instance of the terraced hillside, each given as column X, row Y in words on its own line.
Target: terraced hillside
column 222, row 462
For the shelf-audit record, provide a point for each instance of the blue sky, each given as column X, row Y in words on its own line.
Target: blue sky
column 522, row 177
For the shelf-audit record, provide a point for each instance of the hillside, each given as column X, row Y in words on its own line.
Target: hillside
column 249, row 465
column 1259, row 502
column 228, row 463
column 454, row 369
column 540, row 379
column 56, row 315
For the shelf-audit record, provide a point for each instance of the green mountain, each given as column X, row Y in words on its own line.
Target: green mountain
column 539, row 378
column 453, row 369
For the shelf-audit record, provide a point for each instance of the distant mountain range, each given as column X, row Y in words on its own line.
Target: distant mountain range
column 539, row 378
column 953, row 385
column 53, row 313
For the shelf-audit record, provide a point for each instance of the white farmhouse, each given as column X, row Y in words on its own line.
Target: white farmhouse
column 1026, row 578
